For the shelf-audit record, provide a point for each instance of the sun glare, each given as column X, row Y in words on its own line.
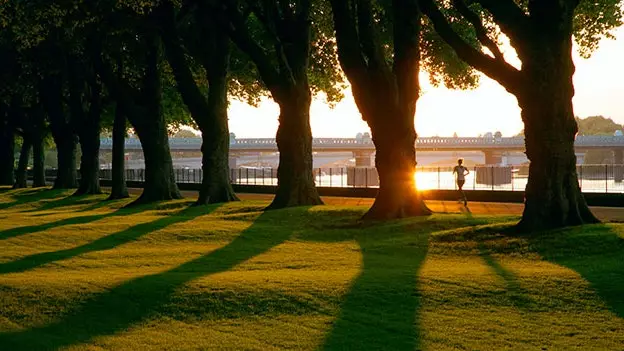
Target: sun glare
column 423, row 181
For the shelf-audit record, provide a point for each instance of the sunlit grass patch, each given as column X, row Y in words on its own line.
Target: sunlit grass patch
column 90, row 275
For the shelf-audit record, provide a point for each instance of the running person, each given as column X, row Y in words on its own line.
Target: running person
column 461, row 173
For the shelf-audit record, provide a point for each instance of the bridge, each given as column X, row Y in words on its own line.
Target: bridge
column 363, row 148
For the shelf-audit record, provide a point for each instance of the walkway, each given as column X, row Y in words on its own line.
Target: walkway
column 607, row 214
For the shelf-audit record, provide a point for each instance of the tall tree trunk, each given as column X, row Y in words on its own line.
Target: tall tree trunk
column 66, row 172
column 294, row 141
column 51, row 93
column 160, row 181
column 386, row 97
column 119, row 190
column 7, row 157
column 151, row 128
column 21, row 176
column 89, row 134
column 553, row 196
column 216, row 186
column 395, row 160
column 210, row 114
column 38, row 160
column 89, row 163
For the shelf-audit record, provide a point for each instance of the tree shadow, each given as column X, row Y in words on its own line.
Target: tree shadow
column 24, row 230
column 596, row 252
column 516, row 294
column 69, row 200
column 133, row 301
column 24, row 196
column 380, row 311
column 104, row 243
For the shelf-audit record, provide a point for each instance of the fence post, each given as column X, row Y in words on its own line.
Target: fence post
column 438, row 177
column 320, row 179
column 474, row 178
column 606, row 178
column 366, row 177
column 512, row 179
column 330, row 177
column 342, row 177
column 492, row 173
column 247, row 176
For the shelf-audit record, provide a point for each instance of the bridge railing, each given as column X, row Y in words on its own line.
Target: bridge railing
column 476, row 143
column 592, row 178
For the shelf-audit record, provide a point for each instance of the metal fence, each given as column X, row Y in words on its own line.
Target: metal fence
column 592, row 178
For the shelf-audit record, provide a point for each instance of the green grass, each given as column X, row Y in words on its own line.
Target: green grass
column 80, row 274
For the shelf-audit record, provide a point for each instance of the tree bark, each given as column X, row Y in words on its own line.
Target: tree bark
column 7, row 157
column 51, row 93
column 89, row 134
column 295, row 185
column 38, row 161
column 151, row 128
column 209, row 114
column 119, row 190
column 160, row 182
column 66, row 172
column 553, row 198
column 395, row 159
column 216, row 185
column 22, row 165
column 386, row 97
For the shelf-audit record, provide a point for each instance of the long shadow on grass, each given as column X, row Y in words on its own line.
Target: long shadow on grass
column 104, row 243
column 135, row 300
column 24, row 196
column 595, row 252
column 516, row 293
column 24, row 230
column 381, row 309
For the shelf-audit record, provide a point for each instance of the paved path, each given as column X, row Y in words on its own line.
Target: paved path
column 608, row 214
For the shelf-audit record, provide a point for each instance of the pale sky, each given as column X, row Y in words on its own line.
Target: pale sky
column 599, row 86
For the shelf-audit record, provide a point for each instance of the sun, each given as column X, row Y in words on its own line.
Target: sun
column 425, row 181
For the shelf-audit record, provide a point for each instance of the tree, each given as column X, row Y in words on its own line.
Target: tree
column 7, row 147
column 541, row 33
column 381, row 48
column 185, row 133
column 142, row 104
column 277, row 37
column 119, row 189
column 210, row 46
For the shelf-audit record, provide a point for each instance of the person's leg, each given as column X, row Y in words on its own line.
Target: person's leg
column 460, row 185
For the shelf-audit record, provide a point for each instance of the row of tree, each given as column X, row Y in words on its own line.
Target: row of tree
column 70, row 68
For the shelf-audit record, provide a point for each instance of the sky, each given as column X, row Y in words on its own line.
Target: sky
column 599, row 87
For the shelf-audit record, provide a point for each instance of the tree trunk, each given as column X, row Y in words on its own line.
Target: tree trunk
column 89, row 134
column 216, row 186
column 66, row 172
column 119, row 190
column 38, row 161
column 159, row 177
column 209, row 114
column 7, row 157
column 51, row 94
column 553, row 198
column 395, row 159
column 22, row 165
column 89, row 163
column 151, row 128
column 294, row 141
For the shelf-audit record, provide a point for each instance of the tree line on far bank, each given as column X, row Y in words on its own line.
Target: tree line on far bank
column 70, row 69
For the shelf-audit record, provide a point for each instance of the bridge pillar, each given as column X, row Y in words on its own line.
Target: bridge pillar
column 618, row 165
column 493, row 157
column 363, row 158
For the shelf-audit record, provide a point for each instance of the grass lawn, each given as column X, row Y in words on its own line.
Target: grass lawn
column 81, row 274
